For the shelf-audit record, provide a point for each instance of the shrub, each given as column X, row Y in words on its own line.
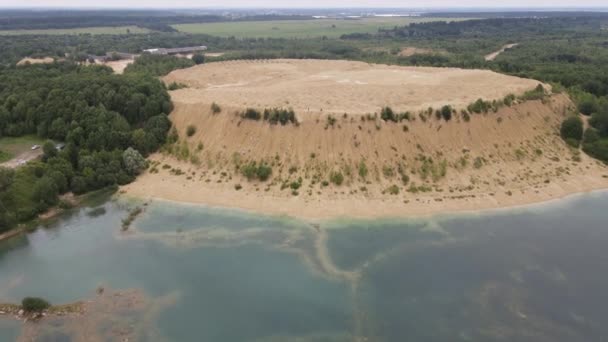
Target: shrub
column 363, row 169
column 190, row 130
column 263, row 172
column 34, row 304
column 331, row 120
column 387, row 114
column 198, row 58
column 393, row 190
column 251, row 114
column 295, row 185
column 279, row 115
column 479, row 106
column 176, row 86
column 537, row 94
column 572, row 129
column 238, row 187
column 588, row 105
column 254, row 171
column 595, row 146
column 446, row 113
column 215, row 108
column 336, row 177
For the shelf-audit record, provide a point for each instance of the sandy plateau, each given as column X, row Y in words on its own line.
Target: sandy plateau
column 506, row 158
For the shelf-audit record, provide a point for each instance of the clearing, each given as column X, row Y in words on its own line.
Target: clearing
column 331, row 28
column 16, row 151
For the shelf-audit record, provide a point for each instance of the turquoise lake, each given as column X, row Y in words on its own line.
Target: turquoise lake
column 190, row 273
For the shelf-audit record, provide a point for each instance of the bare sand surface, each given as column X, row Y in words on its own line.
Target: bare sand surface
column 27, row 60
column 337, row 87
column 493, row 55
column 509, row 158
column 410, row 51
column 119, row 66
column 23, row 158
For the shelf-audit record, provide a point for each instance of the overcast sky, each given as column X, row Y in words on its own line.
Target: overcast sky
column 300, row 3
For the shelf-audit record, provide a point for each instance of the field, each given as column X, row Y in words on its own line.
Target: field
column 331, row 28
column 338, row 87
column 81, row 30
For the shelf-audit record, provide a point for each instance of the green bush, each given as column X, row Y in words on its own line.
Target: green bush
column 393, row 190
column 34, row 304
column 190, row 130
column 479, row 106
column 572, row 130
column 446, row 113
column 251, row 114
column 387, row 114
column 587, row 104
column 198, row 58
column 336, row 177
column 263, row 172
column 215, row 108
column 363, row 170
column 253, row 171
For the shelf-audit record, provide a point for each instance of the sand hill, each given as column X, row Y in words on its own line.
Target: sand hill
column 418, row 166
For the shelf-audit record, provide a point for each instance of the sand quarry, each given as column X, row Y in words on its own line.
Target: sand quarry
column 355, row 88
column 506, row 158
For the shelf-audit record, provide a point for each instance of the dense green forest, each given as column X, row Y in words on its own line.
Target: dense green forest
column 157, row 65
column 108, row 123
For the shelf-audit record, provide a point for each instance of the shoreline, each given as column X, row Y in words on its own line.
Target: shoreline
column 324, row 209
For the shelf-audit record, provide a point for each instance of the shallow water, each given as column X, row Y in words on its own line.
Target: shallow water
column 535, row 274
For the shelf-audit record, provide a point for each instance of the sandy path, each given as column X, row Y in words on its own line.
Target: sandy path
column 495, row 54
column 119, row 66
column 27, row 60
column 23, row 158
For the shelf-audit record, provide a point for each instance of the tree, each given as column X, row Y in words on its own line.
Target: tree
column 587, row 105
column 34, row 304
column 198, row 58
column 133, row 161
column 572, row 129
column 49, row 150
column 45, row 193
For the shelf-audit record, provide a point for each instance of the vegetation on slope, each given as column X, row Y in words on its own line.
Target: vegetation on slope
column 106, row 121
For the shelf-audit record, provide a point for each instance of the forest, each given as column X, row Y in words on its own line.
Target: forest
column 109, row 123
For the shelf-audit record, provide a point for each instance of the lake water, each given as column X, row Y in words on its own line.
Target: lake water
column 187, row 273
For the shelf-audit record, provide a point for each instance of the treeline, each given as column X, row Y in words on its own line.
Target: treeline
column 79, row 46
column 498, row 27
column 30, row 20
column 57, row 19
column 157, row 65
column 107, row 122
